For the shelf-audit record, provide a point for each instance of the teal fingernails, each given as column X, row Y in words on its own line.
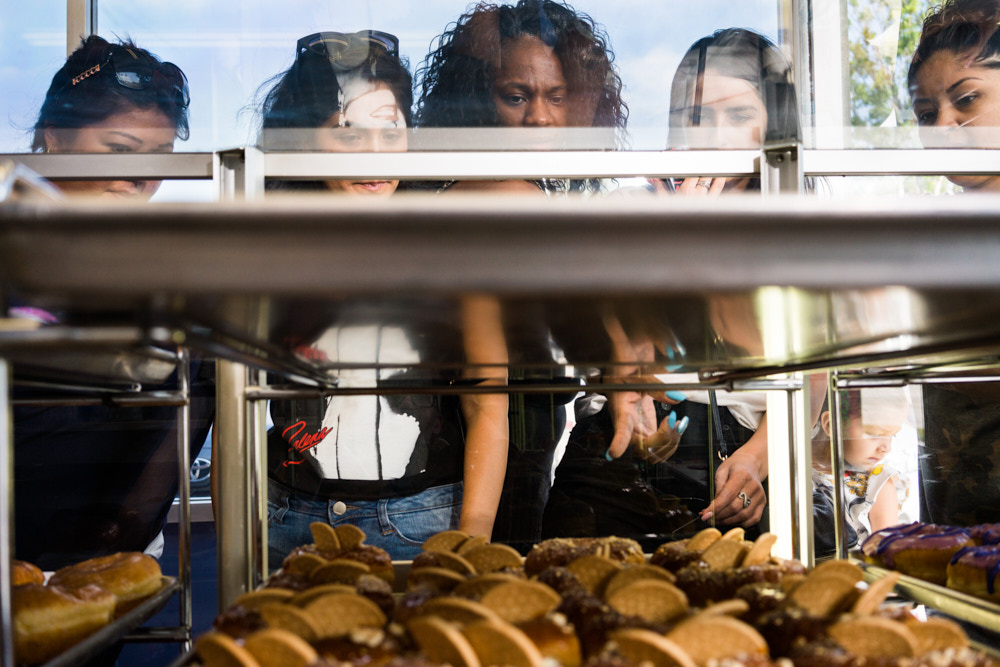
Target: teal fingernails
column 682, row 426
column 607, row 455
column 670, row 352
column 677, row 395
column 674, row 367
column 672, row 419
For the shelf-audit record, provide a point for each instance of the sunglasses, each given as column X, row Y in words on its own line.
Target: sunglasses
column 345, row 51
column 136, row 73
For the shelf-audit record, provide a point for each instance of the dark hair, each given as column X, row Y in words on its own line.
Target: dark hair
column 69, row 106
column 745, row 54
column 457, row 77
column 966, row 27
column 308, row 93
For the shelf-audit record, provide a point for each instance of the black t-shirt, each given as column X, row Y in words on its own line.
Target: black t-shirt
column 368, row 446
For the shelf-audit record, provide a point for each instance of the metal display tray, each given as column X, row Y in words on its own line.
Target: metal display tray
column 953, row 603
column 117, row 629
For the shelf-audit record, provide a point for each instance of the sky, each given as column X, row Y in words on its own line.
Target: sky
column 228, row 50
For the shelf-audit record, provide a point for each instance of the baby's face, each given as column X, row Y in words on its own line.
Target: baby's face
column 867, row 444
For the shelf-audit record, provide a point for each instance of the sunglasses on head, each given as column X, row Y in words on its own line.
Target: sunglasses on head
column 346, row 51
column 136, row 73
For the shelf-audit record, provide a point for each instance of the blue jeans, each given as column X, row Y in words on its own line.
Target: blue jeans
column 398, row 525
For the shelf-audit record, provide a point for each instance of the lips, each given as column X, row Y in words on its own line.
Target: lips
column 372, row 186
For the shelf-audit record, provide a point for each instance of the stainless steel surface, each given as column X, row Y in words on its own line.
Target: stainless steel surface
column 957, row 605
column 899, row 162
column 183, row 429
column 6, row 517
column 117, row 629
column 232, row 459
column 858, row 293
column 103, row 166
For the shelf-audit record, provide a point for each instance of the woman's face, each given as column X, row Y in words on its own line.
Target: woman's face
column 952, row 95
column 371, row 121
column 530, row 89
column 731, row 113
column 130, row 131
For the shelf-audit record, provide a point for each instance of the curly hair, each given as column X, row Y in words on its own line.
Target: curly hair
column 457, row 77
column 967, row 28
column 70, row 106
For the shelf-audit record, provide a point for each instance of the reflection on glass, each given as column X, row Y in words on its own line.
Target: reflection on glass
column 345, row 93
column 954, row 79
column 732, row 89
column 877, row 478
column 113, row 98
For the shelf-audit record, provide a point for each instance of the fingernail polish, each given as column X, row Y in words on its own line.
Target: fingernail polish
column 607, row 455
column 677, row 395
column 673, row 367
column 682, row 426
column 672, row 419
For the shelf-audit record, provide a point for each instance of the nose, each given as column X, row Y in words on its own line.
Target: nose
column 537, row 114
column 884, row 445
column 947, row 116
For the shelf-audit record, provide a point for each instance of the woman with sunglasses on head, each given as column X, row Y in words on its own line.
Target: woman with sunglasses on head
column 113, row 98
column 536, row 64
column 345, row 93
column 400, row 466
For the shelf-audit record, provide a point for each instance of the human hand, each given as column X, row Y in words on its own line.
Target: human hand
column 739, row 493
column 705, row 185
column 633, row 414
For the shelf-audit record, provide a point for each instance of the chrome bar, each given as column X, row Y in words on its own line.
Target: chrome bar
column 836, row 454
column 109, row 166
column 6, row 518
column 145, row 399
column 184, row 494
column 899, row 161
column 233, row 492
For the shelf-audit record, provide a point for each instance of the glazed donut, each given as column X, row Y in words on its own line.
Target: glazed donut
column 130, row 576
column 50, row 619
column 974, row 570
column 23, row 572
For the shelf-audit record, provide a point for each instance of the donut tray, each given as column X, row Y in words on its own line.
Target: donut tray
column 117, row 629
column 958, row 605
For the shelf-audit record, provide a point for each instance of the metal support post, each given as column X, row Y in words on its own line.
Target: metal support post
column 81, row 22
column 232, row 458
column 6, row 518
column 184, row 493
column 781, row 169
column 837, row 466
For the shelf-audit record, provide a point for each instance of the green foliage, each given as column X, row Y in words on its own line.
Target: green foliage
column 882, row 35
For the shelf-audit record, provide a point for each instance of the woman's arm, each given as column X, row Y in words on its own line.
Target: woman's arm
column 885, row 510
column 487, row 435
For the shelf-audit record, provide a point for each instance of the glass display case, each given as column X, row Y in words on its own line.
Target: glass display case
column 561, row 248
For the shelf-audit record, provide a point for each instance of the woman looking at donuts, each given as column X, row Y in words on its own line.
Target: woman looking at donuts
column 538, row 65
column 732, row 90
column 344, row 93
column 113, row 98
column 401, row 467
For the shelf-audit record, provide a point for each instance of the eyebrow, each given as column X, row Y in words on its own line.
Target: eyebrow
column 961, row 81
column 131, row 137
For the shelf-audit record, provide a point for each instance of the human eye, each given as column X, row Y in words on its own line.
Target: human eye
column 926, row 116
column 514, row 99
column 115, row 147
column 966, row 100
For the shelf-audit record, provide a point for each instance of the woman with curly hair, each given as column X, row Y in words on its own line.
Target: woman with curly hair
column 536, row 64
column 954, row 79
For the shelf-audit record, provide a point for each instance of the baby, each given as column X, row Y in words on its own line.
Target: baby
column 874, row 491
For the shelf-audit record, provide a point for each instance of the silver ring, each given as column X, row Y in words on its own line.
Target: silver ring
column 703, row 184
column 746, row 499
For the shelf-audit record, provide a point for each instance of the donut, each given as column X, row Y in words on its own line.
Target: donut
column 50, row 619
column 23, row 572
column 973, row 570
column 922, row 552
column 130, row 576
column 986, row 533
column 560, row 551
